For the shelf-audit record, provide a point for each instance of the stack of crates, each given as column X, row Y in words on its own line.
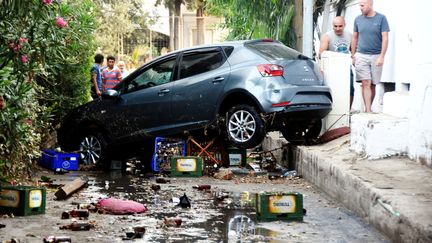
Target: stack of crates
column 22, row 200
column 165, row 149
column 237, row 157
column 57, row 160
column 186, row 166
column 279, row 206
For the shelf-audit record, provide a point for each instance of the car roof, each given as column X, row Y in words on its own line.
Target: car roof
column 235, row 43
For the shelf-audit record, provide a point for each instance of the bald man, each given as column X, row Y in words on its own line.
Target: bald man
column 369, row 46
column 338, row 40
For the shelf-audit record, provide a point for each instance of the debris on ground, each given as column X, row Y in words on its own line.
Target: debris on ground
column 176, row 222
column 75, row 226
column 333, row 134
column 56, row 239
column 202, row 187
column 162, row 180
column 184, row 201
column 224, row 174
column 76, row 213
column 155, row 187
column 138, row 233
column 67, row 190
column 120, row 206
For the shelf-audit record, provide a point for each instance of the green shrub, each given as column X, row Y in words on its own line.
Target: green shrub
column 46, row 50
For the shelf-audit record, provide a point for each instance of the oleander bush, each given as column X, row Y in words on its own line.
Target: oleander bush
column 46, row 50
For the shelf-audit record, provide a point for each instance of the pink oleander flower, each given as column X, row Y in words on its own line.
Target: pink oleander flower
column 23, row 40
column 24, row 59
column 60, row 22
column 16, row 47
column 47, row 2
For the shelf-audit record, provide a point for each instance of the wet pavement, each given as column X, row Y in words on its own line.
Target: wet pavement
column 231, row 218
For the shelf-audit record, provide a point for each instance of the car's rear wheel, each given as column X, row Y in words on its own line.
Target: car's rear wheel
column 301, row 133
column 244, row 127
column 93, row 149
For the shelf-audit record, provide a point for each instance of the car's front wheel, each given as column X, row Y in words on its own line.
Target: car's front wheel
column 244, row 127
column 93, row 149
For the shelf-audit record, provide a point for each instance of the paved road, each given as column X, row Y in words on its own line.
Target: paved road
column 207, row 220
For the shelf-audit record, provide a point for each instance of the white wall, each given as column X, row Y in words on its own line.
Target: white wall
column 408, row 63
column 420, row 115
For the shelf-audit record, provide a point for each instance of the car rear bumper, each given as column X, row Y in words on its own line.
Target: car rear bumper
column 297, row 114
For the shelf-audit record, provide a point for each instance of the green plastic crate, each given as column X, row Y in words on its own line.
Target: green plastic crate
column 186, row 166
column 237, row 157
column 22, row 200
column 279, row 206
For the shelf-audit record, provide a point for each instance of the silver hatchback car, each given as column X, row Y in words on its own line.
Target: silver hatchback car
column 240, row 90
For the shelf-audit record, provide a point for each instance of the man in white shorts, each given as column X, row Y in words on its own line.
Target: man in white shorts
column 369, row 46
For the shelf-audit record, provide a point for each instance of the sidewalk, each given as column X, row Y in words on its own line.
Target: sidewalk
column 393, row 194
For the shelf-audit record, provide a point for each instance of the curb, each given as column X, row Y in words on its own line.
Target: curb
column 371, row 194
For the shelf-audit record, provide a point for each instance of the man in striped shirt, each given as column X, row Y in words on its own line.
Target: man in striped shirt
column 110, row 76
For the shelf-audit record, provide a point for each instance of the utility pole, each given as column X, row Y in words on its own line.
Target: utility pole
column 307, row 27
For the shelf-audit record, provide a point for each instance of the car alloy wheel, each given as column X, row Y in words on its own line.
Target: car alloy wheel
column 244, row 127
column 90, row 149
column 241, row 126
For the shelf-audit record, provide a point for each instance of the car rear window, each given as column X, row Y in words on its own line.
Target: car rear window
column 273, row 50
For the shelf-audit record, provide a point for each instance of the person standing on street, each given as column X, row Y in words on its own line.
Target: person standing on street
column 96, row 77
column 338, row 40
column 110, row 76
column 122, row 67
column 369, row 46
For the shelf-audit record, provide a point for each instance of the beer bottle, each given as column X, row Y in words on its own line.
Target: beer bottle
column 79, row 213
column 79, row 226
column 202, row 187
column 162, row 180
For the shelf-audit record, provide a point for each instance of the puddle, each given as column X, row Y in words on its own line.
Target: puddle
column 215, row 216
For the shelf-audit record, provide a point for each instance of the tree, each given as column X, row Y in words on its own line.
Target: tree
column 174, row 7
column 199, row 6
column 120, row 21
column 246, row 19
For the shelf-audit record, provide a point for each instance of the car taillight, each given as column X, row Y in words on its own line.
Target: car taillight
column 271, row 70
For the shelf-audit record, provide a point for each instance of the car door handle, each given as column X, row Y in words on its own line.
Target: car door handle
column 218, row 80
column 163, row 91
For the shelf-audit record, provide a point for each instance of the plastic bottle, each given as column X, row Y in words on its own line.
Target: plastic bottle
column 291, row 173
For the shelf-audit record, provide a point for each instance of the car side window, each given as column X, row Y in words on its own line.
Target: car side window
column 194, row 63
column 157, row 74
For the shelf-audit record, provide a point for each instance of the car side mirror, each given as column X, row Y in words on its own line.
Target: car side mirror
column 111, row 93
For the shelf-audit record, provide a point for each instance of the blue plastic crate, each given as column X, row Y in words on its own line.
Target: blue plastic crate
column 162, row 143
column 54, row 160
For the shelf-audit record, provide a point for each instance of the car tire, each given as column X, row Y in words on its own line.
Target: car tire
column 302, row 134
column 93, row 149
column 244, row 127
